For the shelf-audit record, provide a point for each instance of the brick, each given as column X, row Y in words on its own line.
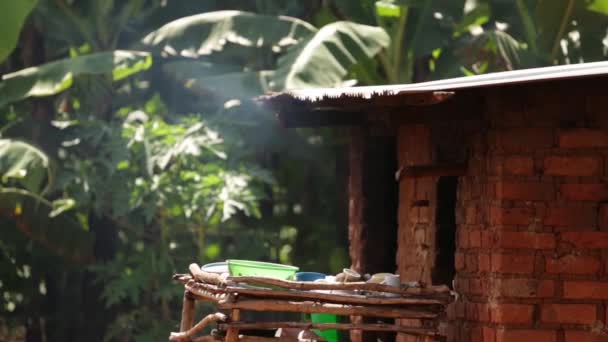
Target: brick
column 471, row 311
column 477, row 312
column 583, row 138
column 587, row 240
column 585, row 290
column 487, row 239
column 483, row 312
column 523, row 288
column 413, row 214
column 571, row 216
column 572, row 166
column 572, row 264
column 511, row 313
column 475, row 238
column 494, row 165
column 525, row 335
column 483, row 263
column 420, row 235
column 511, row 216
column 461, row 284
column 505, row 108
column 463, row 238
column 584, row 336
column 459, row 307
column 450, row 311
column 489, row 334
column 525, row 138
column 602, row 219
column 512, row 263
column 424, row 215
column 523, row 166
column 471, row 262
column 568, row 313
column 476, row 286
column 595, row 192
column 475, row 334
column 459, row 261
column 546, row 288
column 470, row 215
column 525, row 240
column 525, row 191
column 425, row 187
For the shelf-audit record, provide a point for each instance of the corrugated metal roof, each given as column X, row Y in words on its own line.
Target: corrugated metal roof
column 572, row 71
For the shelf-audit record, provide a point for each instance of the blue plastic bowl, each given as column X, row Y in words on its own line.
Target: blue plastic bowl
column 309, row 276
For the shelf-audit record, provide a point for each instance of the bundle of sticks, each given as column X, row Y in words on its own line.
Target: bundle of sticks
column 423, row 307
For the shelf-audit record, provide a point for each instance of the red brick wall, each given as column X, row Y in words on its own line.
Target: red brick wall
column 530, row 230
column 532, row 239
column 416, row 234
column 416, row 240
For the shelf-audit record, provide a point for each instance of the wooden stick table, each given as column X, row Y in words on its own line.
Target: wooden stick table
column 425, row 305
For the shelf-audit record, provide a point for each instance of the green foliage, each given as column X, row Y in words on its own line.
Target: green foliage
column 55, row 77
column 108, row 188
column 171, row 186
column 233, row 36
column 325, row 58
column 58, row 234
column 25, row 164
column 240, row 54
column 558, row 32
column 26, row 173
column 458, row 38
column 12, row 18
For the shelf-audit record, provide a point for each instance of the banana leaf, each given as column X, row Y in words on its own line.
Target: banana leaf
column 25, row 164
column 324, row 59
column 231, row 36
column 55, row 77
column 12, row 18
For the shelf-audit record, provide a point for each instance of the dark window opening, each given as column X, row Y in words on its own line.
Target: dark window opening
column 445, row 237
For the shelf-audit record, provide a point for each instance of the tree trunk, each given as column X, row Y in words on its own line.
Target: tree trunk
column 95, row 317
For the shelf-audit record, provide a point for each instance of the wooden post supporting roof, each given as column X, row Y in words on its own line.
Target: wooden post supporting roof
column 372, row 205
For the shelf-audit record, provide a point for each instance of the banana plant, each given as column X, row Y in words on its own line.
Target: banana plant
column 55, row 77
column 26, row 174
column 562, row 31
column 12, row 17
column 241, row 54
column 435, row 39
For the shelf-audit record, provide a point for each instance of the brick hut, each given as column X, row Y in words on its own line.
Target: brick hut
column 496, row 184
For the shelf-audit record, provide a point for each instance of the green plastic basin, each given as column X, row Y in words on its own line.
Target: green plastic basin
column 261, row 269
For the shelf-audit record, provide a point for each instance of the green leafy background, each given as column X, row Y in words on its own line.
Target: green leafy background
column 130, row 146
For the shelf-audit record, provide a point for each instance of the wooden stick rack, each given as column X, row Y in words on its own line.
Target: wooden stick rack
column 423, row 307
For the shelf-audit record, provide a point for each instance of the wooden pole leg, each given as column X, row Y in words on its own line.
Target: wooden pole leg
column 232, row 334
column 355, row 334
column 187, row 312
column 185, row 336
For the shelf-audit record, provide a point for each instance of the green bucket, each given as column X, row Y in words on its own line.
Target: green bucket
column 329, row 335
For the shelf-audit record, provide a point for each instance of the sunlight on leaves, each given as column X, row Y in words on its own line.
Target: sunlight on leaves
column 26, row 164
column 62, row 205
column 54, row 77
